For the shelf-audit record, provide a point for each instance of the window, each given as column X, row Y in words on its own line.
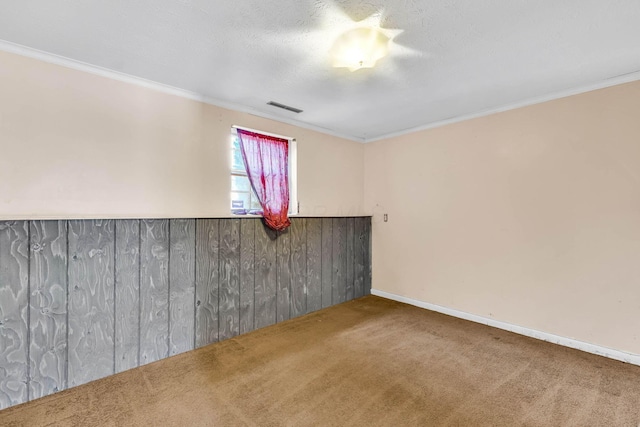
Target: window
column 243, row 199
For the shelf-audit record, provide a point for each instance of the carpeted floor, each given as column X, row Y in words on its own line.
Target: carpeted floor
column 368, row 362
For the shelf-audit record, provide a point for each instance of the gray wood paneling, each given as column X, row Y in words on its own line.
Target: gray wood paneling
column 350, row 258
column 367, row 256
column 48, row 308
column 14, row 312
column 298, row 267
column 327, row 262
column 247, row 274
column 339, row 282
column 91, row 301
column 266, row 276
column 314, row 264
column 127, row 303
column 283, row 268
column 154, row 290
column 82, row 299
column 229, row 315
column 207, row 281
column 358, row 262
column 182, row 272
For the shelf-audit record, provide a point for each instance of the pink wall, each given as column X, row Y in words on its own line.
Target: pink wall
column 530, row 216
column 77, row 145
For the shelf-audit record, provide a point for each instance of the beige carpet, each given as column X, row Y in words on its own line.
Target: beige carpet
column 369, row 362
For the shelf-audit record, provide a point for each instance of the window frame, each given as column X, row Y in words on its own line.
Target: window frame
column 291, row 164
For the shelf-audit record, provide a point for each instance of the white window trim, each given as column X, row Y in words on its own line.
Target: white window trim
column 293, row 170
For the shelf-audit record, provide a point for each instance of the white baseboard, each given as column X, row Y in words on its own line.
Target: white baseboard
column 631, row 358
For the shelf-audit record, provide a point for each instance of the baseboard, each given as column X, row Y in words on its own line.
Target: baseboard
column 631, row 358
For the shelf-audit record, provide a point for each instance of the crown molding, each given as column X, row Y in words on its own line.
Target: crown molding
column 613, row 81
column 160, row 87
column 171, row 90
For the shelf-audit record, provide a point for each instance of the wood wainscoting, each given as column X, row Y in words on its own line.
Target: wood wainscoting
column 84, row 299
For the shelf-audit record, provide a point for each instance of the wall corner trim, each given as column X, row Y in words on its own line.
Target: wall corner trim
column 631, row 358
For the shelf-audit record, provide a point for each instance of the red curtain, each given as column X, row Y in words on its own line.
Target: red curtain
column 267, row 161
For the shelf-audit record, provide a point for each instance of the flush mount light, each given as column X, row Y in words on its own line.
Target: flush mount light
column 359, row 48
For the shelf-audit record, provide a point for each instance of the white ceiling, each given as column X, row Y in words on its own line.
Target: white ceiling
column 454, row 59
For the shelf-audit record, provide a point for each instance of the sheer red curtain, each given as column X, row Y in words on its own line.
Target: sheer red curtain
column 267, row 161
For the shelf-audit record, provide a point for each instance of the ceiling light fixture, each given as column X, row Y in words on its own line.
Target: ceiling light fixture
column 359, row 48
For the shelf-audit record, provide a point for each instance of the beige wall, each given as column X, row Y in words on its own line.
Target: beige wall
column 530, row 217
column 77, row 145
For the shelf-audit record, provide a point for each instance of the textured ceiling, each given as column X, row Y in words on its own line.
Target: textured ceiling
column 455, row 58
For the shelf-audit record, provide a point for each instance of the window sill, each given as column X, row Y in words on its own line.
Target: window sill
column 250, row 215
column 245, row 212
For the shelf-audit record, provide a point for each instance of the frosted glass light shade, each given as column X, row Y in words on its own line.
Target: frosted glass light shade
column 359, row 48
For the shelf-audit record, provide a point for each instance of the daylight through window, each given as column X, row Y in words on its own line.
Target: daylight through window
column 243, row 199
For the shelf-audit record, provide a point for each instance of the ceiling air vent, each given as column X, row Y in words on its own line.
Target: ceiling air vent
column 284, row 107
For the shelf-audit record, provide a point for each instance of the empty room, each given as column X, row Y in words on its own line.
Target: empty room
column 323, row 213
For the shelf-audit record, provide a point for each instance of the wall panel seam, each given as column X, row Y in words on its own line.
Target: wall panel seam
column 66, row 343
column 28, row 367
column 139, row 290
column 115, row 300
